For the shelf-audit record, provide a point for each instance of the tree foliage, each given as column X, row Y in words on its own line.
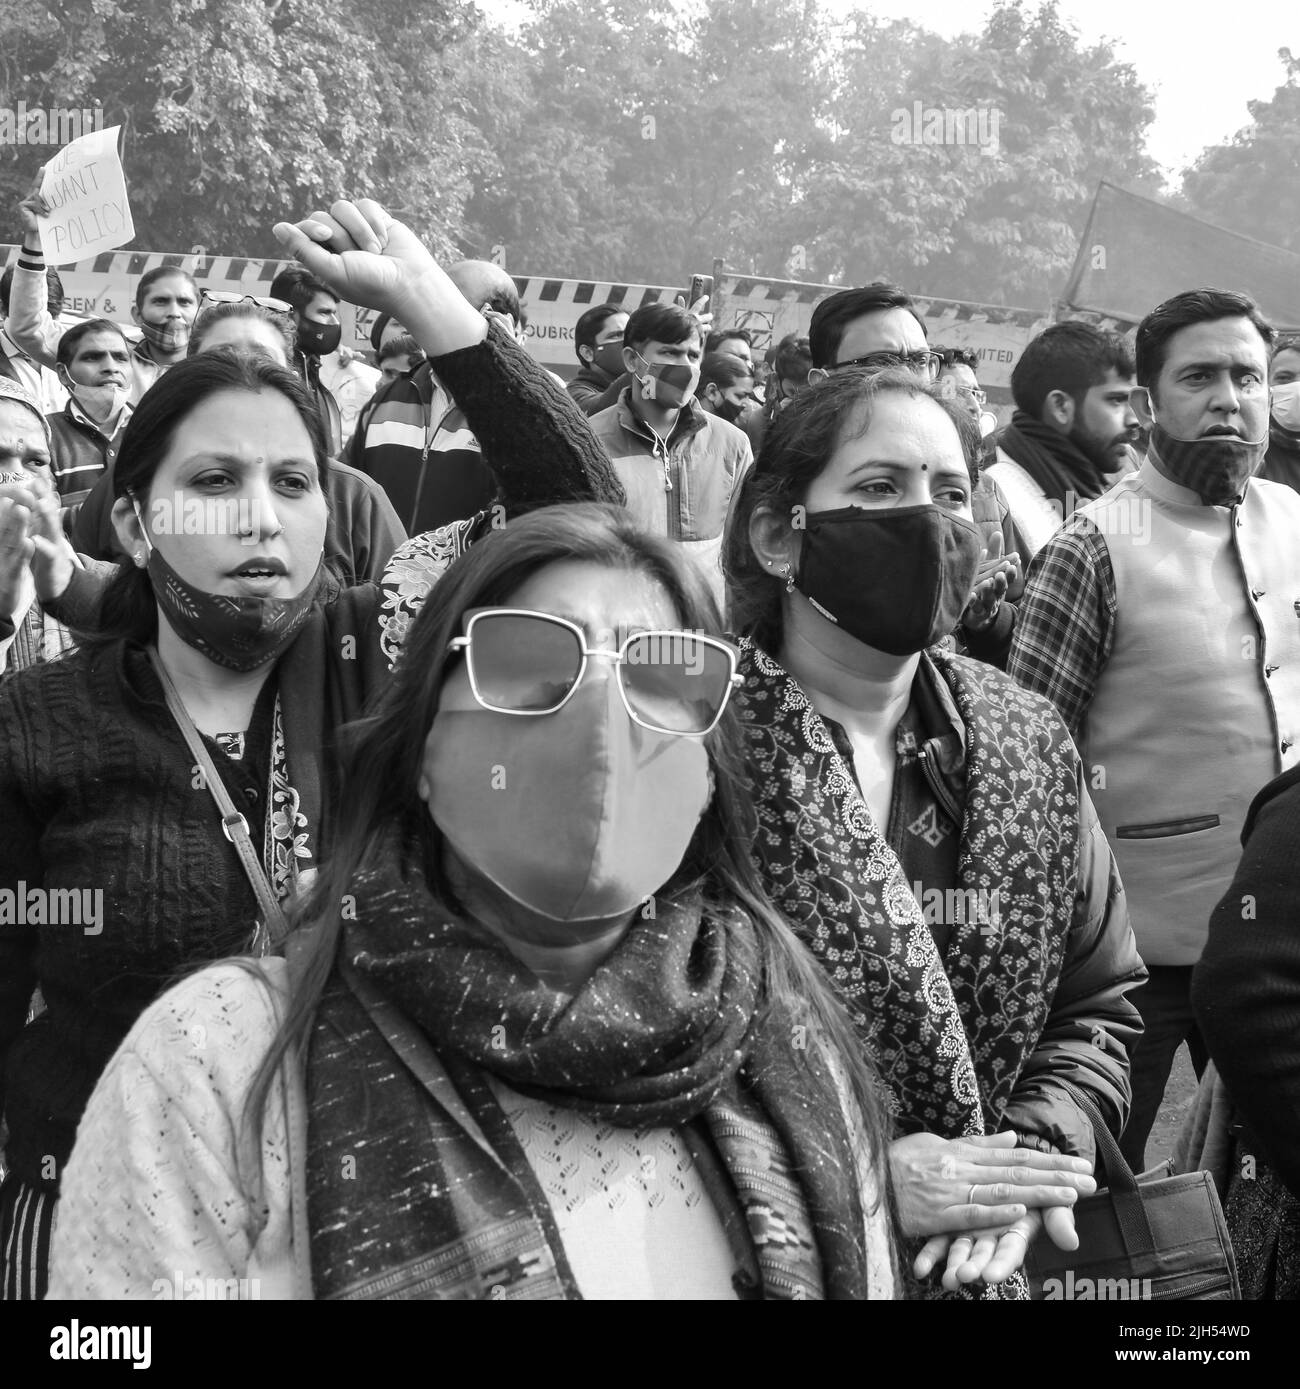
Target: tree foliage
column 1252, row 183
column 631, row 139
column 236, row 112
column 645, row 141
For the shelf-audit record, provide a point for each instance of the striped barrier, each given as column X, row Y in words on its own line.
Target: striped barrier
column 769, row 308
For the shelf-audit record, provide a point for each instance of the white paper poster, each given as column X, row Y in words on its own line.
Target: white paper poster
column 86, row 190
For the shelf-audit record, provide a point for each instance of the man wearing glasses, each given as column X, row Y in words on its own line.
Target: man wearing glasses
column 875, row 327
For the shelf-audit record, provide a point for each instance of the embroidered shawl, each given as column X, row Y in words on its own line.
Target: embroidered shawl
column 950, row 1036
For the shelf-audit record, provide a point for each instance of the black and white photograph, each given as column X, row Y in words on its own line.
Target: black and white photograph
column 649, row 651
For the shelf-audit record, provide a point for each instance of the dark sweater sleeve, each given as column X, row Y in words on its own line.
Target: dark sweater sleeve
column 535, row 440
column 591, row 401
column 78, row 605
column 1246, row 988
column 993, row 644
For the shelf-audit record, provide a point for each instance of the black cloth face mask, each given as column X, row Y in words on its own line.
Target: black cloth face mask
column 897, row 579
column 318, row 339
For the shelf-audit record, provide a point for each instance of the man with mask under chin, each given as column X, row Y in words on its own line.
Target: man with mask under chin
column 95, row 366
column 317, row 333
column 1162, row 621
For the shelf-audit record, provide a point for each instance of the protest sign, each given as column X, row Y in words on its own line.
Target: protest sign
column 86, row 190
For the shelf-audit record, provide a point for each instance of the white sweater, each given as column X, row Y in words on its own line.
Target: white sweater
column 161, row 1200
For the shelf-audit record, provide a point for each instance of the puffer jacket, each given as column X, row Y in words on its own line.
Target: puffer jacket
column 1091, row 1025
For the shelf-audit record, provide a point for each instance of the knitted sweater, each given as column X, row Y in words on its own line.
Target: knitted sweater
column 99, row 801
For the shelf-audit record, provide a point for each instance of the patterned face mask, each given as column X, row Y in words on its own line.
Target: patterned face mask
column 670, row 384
column 1216, row 469
column 240, row 632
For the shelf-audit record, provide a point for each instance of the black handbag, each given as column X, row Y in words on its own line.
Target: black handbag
column 1150, row 1238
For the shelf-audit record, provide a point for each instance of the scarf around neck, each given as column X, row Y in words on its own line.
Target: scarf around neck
column 951, row 1034
column 1053, row 460
column 670, row 1030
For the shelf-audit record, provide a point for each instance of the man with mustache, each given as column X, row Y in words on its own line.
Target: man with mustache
column 1069, row 438
column 1162, row 621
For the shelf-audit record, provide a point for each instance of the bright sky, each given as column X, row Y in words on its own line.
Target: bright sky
column 1203, row 61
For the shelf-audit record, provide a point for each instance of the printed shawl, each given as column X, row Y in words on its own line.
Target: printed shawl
column 950, row 1036
column 417, row 1185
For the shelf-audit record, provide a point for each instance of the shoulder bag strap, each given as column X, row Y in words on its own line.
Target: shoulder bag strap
column 1125, row 1193
column 273, row 928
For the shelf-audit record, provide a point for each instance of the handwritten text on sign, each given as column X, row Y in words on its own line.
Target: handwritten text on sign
column 86, row 190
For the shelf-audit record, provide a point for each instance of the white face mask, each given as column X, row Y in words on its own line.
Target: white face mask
column 1286, row 405
column 101, row 403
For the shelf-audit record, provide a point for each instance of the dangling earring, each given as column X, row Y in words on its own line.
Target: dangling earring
column 789, row 579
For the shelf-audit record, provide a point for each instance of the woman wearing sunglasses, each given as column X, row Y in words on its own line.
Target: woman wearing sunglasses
column 923, row 822
column 557, row 1042
column 168, row 785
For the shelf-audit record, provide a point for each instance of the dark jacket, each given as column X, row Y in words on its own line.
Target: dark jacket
column 417, row 445
column 309, row 369
column 80, row 451
column 594, row 390
column 98, row 795
column 1101, row 960
column 1246, row 988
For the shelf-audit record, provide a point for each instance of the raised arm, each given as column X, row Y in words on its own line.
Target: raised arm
column 535, row 440
column 30, row 323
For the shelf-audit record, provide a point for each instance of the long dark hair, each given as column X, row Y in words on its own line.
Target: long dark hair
column 128, row 608
column 382, row 762
column 796, row 447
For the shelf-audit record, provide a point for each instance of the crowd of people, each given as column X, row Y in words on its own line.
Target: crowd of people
column 693, row 831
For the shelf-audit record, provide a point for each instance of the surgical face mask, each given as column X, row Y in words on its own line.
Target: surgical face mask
column 1216, row 469
column 240, row 632
column 318, row 339
column 580, row 815
column 1286, row 405
column 170, row 338
column 897, row 579
column 669, row 384
column 101, row 403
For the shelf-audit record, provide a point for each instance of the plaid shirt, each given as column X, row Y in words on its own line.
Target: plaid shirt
column 1065, row 629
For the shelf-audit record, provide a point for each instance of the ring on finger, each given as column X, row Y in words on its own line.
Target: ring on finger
column 970, row 1198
